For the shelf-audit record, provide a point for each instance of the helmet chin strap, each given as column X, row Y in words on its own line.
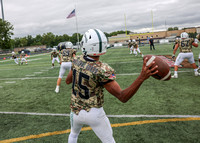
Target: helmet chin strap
column 85, row 52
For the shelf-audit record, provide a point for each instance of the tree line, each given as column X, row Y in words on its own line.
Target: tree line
column 48, row 39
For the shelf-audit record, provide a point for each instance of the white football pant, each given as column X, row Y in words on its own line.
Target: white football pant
column 23, row 60
column 182, row 56
column 16, row 60
column 53, row 60
column 96, row 119
column 64, row 66
column 131, row 50
column 136, row 50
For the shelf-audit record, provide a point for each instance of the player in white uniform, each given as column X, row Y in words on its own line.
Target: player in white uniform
column 136, row 48
column 54, row 56
column 23, row 58
column 66, row 57
column 185, row 45
column 130, row 46
column 198, row 37
column 89, row 77
column 15, row 58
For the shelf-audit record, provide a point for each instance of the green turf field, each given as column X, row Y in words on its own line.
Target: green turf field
column 30, row 89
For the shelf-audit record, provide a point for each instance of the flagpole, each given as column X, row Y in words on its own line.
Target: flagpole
column 76, row 26
column 152, row 19
column 2, row 10
column 125, row 23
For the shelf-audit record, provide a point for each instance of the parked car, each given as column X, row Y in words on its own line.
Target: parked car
column 25, row 51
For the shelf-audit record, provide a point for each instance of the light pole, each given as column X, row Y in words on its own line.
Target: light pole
column 2, row 10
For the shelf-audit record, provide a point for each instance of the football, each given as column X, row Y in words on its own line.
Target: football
column 163, row 68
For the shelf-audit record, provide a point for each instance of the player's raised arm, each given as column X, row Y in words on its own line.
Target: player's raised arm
column 124, row 95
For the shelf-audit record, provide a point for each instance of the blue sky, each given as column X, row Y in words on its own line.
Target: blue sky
column 32, row 17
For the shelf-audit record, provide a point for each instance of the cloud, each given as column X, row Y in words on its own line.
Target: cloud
column 32, row 17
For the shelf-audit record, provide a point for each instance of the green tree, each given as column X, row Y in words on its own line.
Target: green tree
column 30, row 40
column 74, row 38
column 17, row 42
column 5, row 34
column 37, row 40
column 175, row 28
column 48, row 39
column 23, row 42
column 170, row 29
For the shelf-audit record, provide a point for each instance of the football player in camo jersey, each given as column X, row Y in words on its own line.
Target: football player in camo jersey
column 54, row 56
column 89, row 76
column 185, row 45
column 66, row 57
column 14, row 56
column 23, row 58
column 198, row 38
column 136, row 48
column 130, row 46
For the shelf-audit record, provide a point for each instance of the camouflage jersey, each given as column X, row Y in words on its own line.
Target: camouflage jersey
column 14, row 56
column 130, row 44
column 89, row 76
column 135, row 45
column 22, row 55
column 67, row 54
column 54, row 54
column 185, row 45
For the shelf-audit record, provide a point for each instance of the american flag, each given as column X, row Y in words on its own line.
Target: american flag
column 72, row 14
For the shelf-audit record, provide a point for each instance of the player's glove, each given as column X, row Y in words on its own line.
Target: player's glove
column 173, row 56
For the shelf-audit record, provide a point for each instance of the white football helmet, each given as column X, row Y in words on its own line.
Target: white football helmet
column 13, row 53
column 22, row 52
column 133, row 40
column 54, row 49
column 184, row 35
column 68, row 45
column 94, row 42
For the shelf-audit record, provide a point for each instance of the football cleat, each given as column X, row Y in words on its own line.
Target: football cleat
column 196, row 73
column 175, row 76
column 57, row 89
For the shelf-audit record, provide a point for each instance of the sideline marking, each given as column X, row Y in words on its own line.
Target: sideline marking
column 10, row 82
column 29, row 57
column 38, row 72
column 123, row 74
column 34, row 59
column 115, row 116
column 30, row 75
column 89, row 128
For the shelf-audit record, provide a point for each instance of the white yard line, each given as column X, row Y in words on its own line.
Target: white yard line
column 114, row 116
column 29, row 78
column 28, row 57
column 1, row 86
column 10, row 82
column 30, row 75
column 125, row 62
column 34, row 59
column 38, row 72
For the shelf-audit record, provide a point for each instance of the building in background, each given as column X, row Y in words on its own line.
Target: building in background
column 143, row 37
